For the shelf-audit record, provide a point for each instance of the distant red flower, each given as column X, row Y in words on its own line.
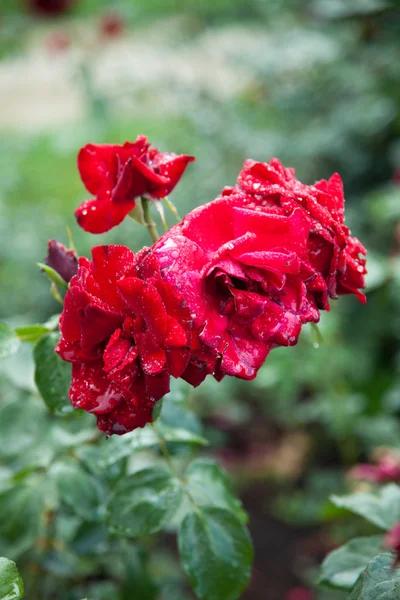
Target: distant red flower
column 63, row 261
column 50, row 7
column 112, row 25
column 58, row 41
column 387, row 470
column 256, row 264
column 117, row 175
column 299, row 593
column 391, row 541
column 396, row 176
column 125, row 331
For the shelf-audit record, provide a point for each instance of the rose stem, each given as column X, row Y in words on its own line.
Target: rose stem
column 151, row 226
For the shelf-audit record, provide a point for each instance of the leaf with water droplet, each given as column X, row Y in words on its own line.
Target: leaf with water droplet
column 52, row 375
column 144, row 502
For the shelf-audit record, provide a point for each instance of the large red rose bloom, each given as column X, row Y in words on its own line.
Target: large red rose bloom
column 125, row 331
column 117, row 175
column 256, row 264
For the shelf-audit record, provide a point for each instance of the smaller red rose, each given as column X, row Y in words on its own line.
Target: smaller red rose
column 117, row 175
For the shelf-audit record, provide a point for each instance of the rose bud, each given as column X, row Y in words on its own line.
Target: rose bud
column 63, row 261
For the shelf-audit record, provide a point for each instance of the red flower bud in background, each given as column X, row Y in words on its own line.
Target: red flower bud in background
column 256, row 264
column 387, row 470
column 125, row 331
column 299, row 593
column 112, row 25
column 391, row 541
column 63, row 261
column 50, row 7
column 117, row 175
column 58, row 42
column 396, row 176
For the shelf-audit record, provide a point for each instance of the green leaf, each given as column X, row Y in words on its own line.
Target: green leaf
column 175, row 411
column 31, row 333
column 78, row 490
column 209, row 485
column 342, row 567
column 216, row 553
column 144, row 502
column 11, row 584
column 381, row 509
column 379, row 581
column 9, row 342
column 178, row 435
column 120, row 447
column 53, row 275
column 28, row 417
column 111, row 450
column 20, row 518
column 52, row 375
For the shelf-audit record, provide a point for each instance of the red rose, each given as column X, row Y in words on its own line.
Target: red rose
column 256, row 264
column 63, row 261
column 125, row 331
column 117, row 175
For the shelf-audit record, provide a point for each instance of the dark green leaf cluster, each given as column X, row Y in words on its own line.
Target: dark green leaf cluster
column 76, row 504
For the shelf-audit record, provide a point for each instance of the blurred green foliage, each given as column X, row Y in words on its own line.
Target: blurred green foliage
column 313, row 82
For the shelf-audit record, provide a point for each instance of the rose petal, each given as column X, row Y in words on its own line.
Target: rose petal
column 99, row 216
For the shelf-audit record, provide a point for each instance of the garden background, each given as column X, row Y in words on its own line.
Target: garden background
column 315, row 83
